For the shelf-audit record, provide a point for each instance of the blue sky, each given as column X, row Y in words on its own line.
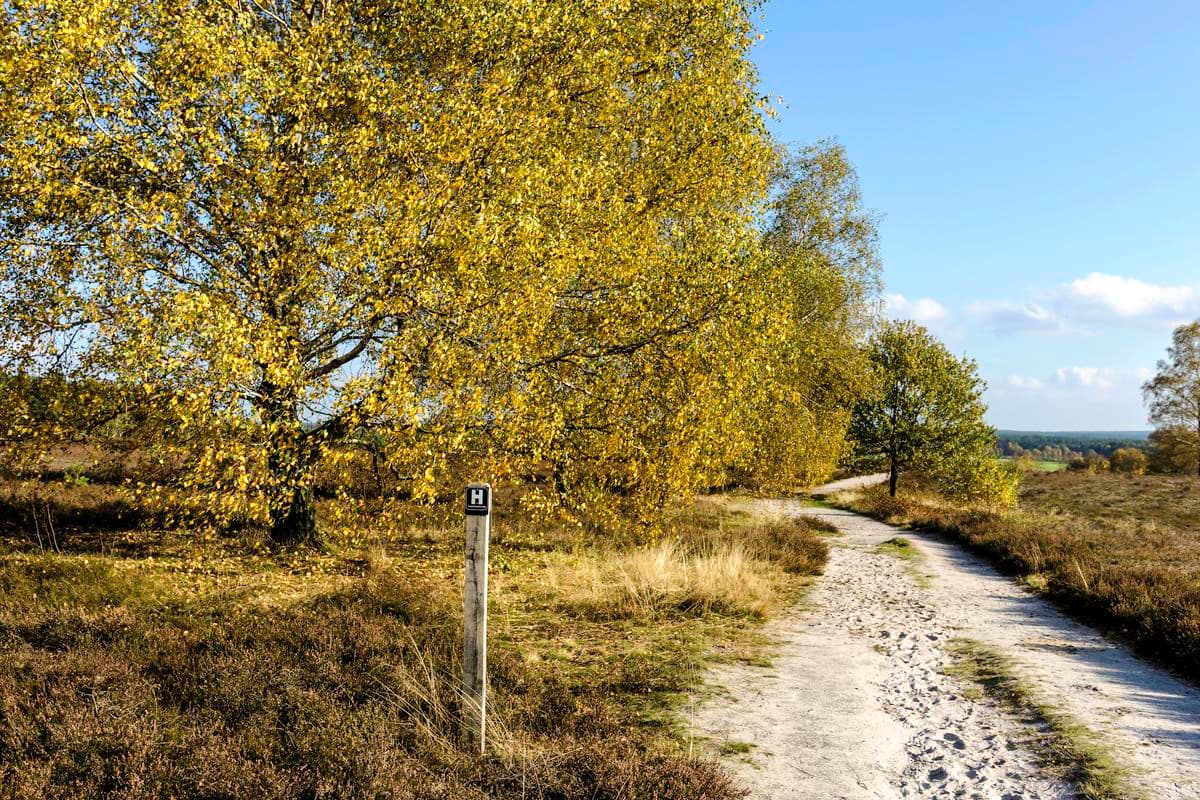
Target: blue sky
column 1038, row 168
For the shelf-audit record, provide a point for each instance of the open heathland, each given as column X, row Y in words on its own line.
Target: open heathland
column 138, row 662
column 1120, row 551
column 1139, row 501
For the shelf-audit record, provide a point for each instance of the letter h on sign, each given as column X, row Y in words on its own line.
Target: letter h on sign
column 477, row 501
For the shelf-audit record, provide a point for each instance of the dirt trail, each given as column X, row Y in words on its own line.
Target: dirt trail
column 855, row 704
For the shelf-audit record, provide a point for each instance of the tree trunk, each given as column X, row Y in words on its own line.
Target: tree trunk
column 297, row 523
column 291, row 510
column 560, row 477
column 893, row 477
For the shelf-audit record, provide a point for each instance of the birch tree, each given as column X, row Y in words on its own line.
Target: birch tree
column 486, row 232
column 1173, row 395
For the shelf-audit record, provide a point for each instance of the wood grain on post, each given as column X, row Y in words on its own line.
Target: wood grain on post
column 479, row 523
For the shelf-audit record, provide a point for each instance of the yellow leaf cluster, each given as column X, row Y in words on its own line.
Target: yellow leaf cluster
column 482, row 237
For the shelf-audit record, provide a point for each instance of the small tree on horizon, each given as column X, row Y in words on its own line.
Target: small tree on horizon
column 927, row 413
column 1173, row 394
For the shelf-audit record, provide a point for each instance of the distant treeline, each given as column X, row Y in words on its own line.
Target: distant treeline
column 1066, row 445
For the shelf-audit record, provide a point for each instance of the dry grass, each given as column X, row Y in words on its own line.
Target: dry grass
column 717, row 562
column 142, row 663
column 1121, row 552
column 1170, row 502
column 666, row 577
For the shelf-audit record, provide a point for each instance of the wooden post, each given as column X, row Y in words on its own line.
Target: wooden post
column 479, row 523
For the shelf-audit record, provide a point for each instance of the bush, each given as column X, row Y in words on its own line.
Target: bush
column 980, row 482
column 1130, row 460
column 1092, row 462
column 794, row 545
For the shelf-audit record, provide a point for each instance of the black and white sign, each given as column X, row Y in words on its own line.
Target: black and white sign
column 479, row 501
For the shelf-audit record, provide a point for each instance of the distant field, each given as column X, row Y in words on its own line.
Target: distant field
column 1045, row 466
column 1168, row 503
column 1122, row 551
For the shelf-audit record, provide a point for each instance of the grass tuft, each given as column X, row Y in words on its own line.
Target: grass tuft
column 899, row 547
column 736, row 573
column 736, row 748
column 666, row 577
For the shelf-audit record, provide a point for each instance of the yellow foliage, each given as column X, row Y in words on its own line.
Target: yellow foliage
column 482, row 238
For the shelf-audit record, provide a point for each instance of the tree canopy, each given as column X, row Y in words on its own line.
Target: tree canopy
column 480, row 238
column 1175, row 448
column 926, row 413
column 821, row 272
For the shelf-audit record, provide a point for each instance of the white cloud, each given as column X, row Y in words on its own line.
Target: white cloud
column 1022, row 382
column 924, row 310
column 1009, row 318
column 1095, row 378
column 1086, row 377
column 1080, row 305
column 1101, row 296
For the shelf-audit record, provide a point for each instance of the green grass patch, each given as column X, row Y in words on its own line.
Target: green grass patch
column 816, row 502
column 902, row 548
column 736, row 748
column 1037, row 466
column 1064, row 747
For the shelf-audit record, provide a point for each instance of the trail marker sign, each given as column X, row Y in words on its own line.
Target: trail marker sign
column 479, row 528
column 479, row 500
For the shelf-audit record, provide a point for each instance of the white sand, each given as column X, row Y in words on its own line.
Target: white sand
column 855, row 704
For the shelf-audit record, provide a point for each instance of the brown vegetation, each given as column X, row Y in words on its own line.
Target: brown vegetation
column 1175, row 449
column 1120, row 551
column 147, row 663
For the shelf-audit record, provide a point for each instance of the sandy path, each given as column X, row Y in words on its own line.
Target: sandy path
column 855, row 704
column 849, row 484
